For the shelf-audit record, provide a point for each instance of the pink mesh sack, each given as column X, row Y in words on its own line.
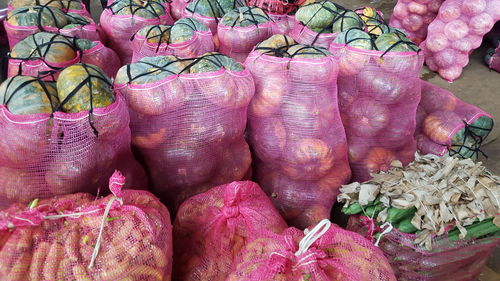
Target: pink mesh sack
column 448, row 261
column 188, row 128
column 16, row 33
column 48, row 154
column 102, row 57
column 199, row 43
column 240, row 30
column 446, row 124
column 284, row 23
column 122, row 19
column 123, row 236
column 378, row 98
column 178, row 7
column 458, row 30
column 279, row 7
column 211, row 228
column 295, row 130
column 414, row 16
column 45, row 54
column 304, row 35
column 324, row 253
column 67, row 6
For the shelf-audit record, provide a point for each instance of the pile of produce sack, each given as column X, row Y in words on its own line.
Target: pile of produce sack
column 414, row 17
column 24, row 21
column 295, row 128
column 379, row 91
column 123, row 18
column 64, row 137
column 211, row 229
column 457, row 30
column 123, row 236
column 322, row 252
column 209, row 12
column 188, row 117
column 187, row 38
column 241, row 29
column 435, row 219
column 446, row 124
column 45, row 54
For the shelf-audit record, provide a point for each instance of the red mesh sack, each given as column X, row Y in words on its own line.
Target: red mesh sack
column 237, row 41
column 120, row 23
column 123, row 236
column 211, row 228
column 296, row 133
column 326, row 252
column 44, row 155
column 446, row 124
column 200, row 43
column 457, row 30
column 414, row 16
column 280, row 7
column 17, row 33
column 188, row 128
column 493, row 59
column 448, row 261
column 378, row 98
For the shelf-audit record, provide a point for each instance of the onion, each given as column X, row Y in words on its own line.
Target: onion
column 436, row 42
column 475, row 41
column 417, row 8
column 481, row 24
column 445, row 58
column 450, row 73
column 413, row 22
column 434, row 5
column 449, row 12
column 493, row 8
column 473, row 7
column 463, row 44
column 456, row 29
column 400, row 10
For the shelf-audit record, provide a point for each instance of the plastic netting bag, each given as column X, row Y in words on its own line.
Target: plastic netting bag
column 211, row 228
column 123, row 18
column 46, row 152
column 324, row 253
column 492, row 58
column 241, row 29
column 379, row 92
column 278, row 7
column 319, row 23
column 295, row 129
column 448, row 260
column 457, row 30
column 22, row 22
column 446, row 124
column 188, row 119
column 187, row 38
column 67, row 6
column 123, row 236
column 284, row 23
column 45, row 54
column 414, row 17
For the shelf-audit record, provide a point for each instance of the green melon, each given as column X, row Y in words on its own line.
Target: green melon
column 146, row 9
column 75, row 20
column 245, row 16
column 214, row 61
column 303, row 51
column 356, row 38
column 85, row 44
column 158, row 33
column 37, row 15
column 317, row 16
column 27, row 95
column 346, row 20
column 184, row 29
column 48, row 46
column 81, row 81
column 395, row 42
column 150, row 69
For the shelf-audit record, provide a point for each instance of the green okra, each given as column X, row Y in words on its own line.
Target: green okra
column 475, row 230
column 395, row 215
column 406, row 226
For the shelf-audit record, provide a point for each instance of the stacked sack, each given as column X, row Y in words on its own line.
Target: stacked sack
column 212, row 228
column 62, row 137
column 457, row 30
column 24, row 21
column 295, row 129
column 445, row 124
column 126, row 235
column 187, row 38
column 45, row 54
column 379, row 91
column 323, row 252
column 123, row 18
column 188, row 117
column 241, row 29
column 414, row 17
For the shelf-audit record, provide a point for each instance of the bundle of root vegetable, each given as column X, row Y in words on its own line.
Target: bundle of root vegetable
column 437, row 219
column 432, row 196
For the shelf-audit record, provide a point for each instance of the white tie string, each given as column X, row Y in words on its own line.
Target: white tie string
column 313, row 235
column 387, row 230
